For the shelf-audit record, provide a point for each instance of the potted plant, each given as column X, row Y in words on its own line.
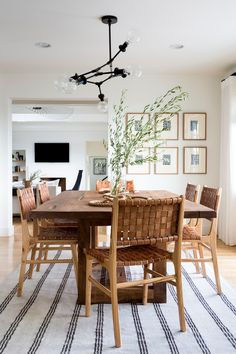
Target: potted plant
column 124, row 140
column 33, row 176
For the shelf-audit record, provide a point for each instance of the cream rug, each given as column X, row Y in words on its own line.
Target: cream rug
column 46, row 319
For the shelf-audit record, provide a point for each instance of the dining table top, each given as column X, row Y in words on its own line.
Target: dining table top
column 75, row 204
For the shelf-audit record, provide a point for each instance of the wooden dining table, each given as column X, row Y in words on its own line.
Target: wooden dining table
column 75, row 205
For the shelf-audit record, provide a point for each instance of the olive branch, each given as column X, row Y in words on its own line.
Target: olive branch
column 124, row 141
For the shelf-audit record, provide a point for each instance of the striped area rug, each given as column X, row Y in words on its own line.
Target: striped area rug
column 46, row 319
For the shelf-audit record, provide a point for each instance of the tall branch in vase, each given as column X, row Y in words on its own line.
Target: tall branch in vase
column 125, row 141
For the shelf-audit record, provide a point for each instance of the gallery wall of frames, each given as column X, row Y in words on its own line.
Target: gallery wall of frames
column 194, row 149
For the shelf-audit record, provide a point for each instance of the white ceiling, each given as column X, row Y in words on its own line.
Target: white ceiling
column 206, row 28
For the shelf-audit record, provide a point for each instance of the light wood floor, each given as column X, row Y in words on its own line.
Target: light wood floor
column 10, row 252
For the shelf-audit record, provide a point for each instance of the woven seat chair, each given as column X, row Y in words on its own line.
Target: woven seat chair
column 193, row 239
column 101, row 185
column 43, row 196
column 137, row 226
column 50, row 237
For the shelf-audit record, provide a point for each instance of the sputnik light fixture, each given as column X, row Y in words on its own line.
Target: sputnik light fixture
column 105, row 72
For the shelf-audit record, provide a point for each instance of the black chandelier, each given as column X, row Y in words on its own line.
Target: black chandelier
column 101, row 74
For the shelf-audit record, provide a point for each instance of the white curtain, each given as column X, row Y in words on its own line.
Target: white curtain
column 227, row 222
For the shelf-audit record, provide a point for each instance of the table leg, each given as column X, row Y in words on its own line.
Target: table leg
column 83, row 243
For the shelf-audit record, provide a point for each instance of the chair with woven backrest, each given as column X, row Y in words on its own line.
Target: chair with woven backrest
column 43, row 196
column 191, row 192
column 43, row 192
column 103, row 185
column 137, row 226
column 193, row 237
column 54, row 238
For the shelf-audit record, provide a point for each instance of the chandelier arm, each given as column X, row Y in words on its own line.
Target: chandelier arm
column 110, row 58
column 98, row 83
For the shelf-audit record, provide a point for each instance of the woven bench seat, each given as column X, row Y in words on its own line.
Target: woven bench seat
column 58, row 233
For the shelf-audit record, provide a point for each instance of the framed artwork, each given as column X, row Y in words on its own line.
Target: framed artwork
column 195, row 160
column 167, row 163
column 194, row 126
column 99, row 166
column 168, row 127
column 137, row 120
column 140, row 168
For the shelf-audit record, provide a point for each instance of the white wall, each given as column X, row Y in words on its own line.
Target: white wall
column 77, row 134
column 204, row 96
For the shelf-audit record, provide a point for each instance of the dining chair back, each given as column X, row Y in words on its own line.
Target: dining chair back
column 137, row 227
column 193, row 237
column 101, row 185
column 78, row 181
column 191, row 192
column 43, row 192
column 44, row 237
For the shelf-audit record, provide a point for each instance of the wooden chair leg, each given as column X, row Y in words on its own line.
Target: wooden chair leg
column 215, row 266
column 75, row 262
column 179, row 290
column 201, row 253
column 40, row 256
column 31, row 267
column 88, row 289
column 145, row 286
column 46, row 253
column 195, row 255
column 22, row 271
column 115, row 309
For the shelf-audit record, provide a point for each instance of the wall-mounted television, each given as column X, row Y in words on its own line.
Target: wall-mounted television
column 51, row 152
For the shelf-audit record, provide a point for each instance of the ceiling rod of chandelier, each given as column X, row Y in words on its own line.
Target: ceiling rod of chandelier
column 85, row 78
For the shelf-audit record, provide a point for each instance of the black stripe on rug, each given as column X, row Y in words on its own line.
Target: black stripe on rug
column 207, row 307
column 166, row 329
column 98, row 345
column 223, row 297
column 139, row 330
column 197, row 335
column 7, row 336
column 42, row 329
column 11, row 294
column 71, row 330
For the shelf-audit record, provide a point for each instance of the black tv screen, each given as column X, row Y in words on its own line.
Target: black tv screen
column 51, row 152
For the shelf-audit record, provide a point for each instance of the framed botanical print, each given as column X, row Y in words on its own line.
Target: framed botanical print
column 194, row 126
column 167, row 163
column 168, row 126
column 195, row 160
column 99, row 166
column 140, row 168
column 139, row 119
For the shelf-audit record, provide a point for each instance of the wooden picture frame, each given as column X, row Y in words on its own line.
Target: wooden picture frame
column 140, row 169
column 137, row 117
column 99, row 165
column 168, row 164
column 194, row 126
column 195, row 160
column 169, row 126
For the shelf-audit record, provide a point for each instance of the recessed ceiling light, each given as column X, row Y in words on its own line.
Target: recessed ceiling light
column 42, row 45
column 177, row 46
